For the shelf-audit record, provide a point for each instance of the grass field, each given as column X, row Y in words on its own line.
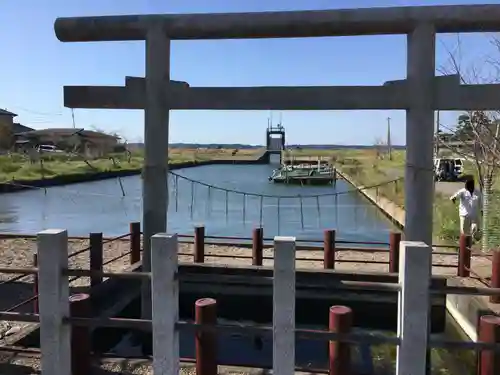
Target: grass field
column 18, row 166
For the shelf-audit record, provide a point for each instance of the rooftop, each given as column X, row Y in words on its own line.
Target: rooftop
column 7, row 113
column 20, row 128
column 66, row 132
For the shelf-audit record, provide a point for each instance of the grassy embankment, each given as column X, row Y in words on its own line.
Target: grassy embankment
column 18, row 167
column 364, row 167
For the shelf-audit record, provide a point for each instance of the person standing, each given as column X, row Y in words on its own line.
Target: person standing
column 469, row 208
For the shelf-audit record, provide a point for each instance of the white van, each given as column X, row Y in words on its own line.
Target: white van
column 459, row 165
column 48, row 148
column 456, row 163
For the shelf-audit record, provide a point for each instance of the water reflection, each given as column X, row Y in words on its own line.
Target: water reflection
column 8, row 213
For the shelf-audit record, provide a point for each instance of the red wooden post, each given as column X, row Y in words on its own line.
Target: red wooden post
column 339, row 353
column 489, row 332
column 329, row 249
column 199, row 244
column 81, row 344
column 464, row 255
column 257, row 246
column 35, row 285
column 135, row 242
column 495, row 275
column 394, row 241
column 96, row 258
column 206, row 342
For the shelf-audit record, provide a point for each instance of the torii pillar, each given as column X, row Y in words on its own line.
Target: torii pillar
column 419, row 174
column 155, row 170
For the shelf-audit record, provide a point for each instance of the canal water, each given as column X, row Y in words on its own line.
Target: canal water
column 229, row 200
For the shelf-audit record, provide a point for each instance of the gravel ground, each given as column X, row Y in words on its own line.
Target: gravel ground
column 22, row 364
column 19, row 253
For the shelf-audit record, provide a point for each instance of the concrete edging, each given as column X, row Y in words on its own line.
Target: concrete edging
column 391, row 210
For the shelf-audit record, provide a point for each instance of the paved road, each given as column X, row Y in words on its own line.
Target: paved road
column 448, row 188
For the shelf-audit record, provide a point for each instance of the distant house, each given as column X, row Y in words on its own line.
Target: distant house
column 89, row 142
column 6, row 122
column 20, row 128
column 8, row 128
column 7, row 118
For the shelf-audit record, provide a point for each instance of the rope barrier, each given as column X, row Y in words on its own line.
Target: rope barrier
column 259, row 195
column 116, row 258
column 108, row 240
column 210, row 186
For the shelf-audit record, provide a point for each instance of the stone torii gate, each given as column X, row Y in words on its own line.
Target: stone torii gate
column 419, row 95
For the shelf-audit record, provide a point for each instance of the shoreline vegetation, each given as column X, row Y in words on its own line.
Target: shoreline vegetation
column 19, row 167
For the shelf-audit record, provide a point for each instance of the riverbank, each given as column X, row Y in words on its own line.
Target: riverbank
column 391, row 210
column 368, row 168
column 19, row 173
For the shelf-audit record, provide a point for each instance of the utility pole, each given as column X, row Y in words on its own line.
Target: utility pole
column 436, row 141
column 389, row 147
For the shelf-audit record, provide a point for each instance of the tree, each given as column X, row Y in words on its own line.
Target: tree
column 478, row 131
column 464, row 130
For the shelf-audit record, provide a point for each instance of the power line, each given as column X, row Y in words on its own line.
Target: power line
column 23, row 109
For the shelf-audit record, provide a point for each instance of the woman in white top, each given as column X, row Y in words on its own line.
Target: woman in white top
column 469, row 208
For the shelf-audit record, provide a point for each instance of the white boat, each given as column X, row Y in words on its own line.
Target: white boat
column 303, row 174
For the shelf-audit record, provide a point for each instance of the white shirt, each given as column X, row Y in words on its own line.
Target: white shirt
column 469, row 204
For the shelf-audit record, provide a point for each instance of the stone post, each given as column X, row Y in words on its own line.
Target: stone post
column 284, row 306
column 165, row 302
column 53, row 288
column 419, row 174
column 155, row 171
column 415, row 264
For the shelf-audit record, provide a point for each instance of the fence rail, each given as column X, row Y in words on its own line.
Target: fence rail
column 258, row 243
column 66, row 319
column 95, row 250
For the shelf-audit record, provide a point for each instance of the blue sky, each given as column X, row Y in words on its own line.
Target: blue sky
column 35, row 66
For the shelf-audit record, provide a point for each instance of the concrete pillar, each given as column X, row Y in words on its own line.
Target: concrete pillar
column 53, row 288
column 415, row 264
column 155, row 170
column 165, row 302
column 419, row 175
column 284, row 306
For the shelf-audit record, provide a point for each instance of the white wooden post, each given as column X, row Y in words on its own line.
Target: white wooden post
column 53, row 289
column 284, row 306
column 415, row 264
column 165, row 304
